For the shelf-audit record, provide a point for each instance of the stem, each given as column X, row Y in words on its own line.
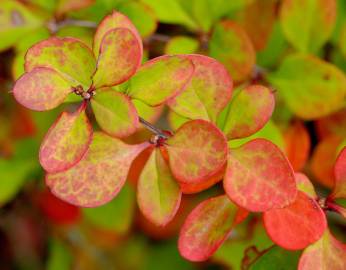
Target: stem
column 152, row 128
column 54, row 26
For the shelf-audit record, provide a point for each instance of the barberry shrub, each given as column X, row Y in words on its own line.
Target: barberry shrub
column 87, row 162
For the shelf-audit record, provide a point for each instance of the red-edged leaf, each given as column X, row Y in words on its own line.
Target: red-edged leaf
column 340, row 176
column 327, row 253
column 66, row 141
column 305, row 185
column 332, row 124
column 68, row 56
column 99, row 176
column 158, row 193
column 115, row 113
column 297, row 145
column 206, row 228
column 249, row 111
column 112, row 21
column 41, row 89
column 160, row 79
column 297, row 225
column 120, row 56
column 259, row 177
column 196, row 151
column 208, row 92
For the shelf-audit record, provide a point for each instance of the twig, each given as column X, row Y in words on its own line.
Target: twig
column 152, row 128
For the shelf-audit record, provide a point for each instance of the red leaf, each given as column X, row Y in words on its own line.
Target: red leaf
column 196, row 151
column 99, row 176
column 259, row 177
column 340, row 176
column 206, row 228
column 297, row 225
column 66, row 141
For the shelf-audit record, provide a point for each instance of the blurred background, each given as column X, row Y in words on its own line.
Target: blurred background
column 252, row 38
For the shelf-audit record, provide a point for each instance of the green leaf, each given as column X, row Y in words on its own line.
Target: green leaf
column 158, row 193
column 117, row 215
column 99, row 176
column 115, row 113
column 248, row 112
column 68, row 56
column 65, row 6
column 311, row 87
column 41, row 89
column 66, row 141
column 231, row 45
column 119, row 57
column 16, row 21
column 308, row 24
column 182, row 45
column 160, row 79
column 208, row 92
column 59, row 256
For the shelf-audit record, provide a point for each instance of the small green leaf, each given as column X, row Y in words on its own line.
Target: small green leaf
column 160, row 79
column 182, row 45
column 158, row 193
column 41, row 89
column 311, row 87
column 120, row 56
column 115, row 113
column 308, row 24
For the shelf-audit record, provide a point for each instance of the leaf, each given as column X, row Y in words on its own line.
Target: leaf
column 115, row 113
column 182, row 45
column 68, row 56
column 16, row 21
column 110, row 22
column 160, row 79
column 339, row 190
column 150, row 114
column 99, row 176
column 297, row 225
column 60, row 256
column 333, row 124
column 65, row 6
column 158, row 193
column 276, row 258
column 41, row 89
column 207, row 93
column 230, row 45
column 305, row 185
column 248, row 112
column 66, row 141
column 196, row 151
column 206, row 228
column 120, row 56
column 115, row 216
column 327, row 253
column 258, row 177
column 299, row 19
column 141, row 15
column 311, row 87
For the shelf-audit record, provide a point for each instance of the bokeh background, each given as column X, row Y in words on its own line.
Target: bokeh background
column 252, row 38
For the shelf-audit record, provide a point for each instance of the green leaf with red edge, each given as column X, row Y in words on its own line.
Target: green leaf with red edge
column 120, row 56
column 115, row 113
column 326, row 253
column 196, row 151
column 231, row 45
column 339, row 190
column 297, row 225
column 299, row 19
column 259, row 177
column 208, row 92
column 310, row 86
column 68, row 56
column 158, row 194
column 41, row 89
column 248, row 112
column 100, row 174
column 66, row 141
column 305, row 185
column 112, row 21
column 161, row 79
column 206, row 228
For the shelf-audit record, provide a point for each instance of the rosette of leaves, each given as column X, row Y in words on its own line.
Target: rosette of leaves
column 58, row 69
